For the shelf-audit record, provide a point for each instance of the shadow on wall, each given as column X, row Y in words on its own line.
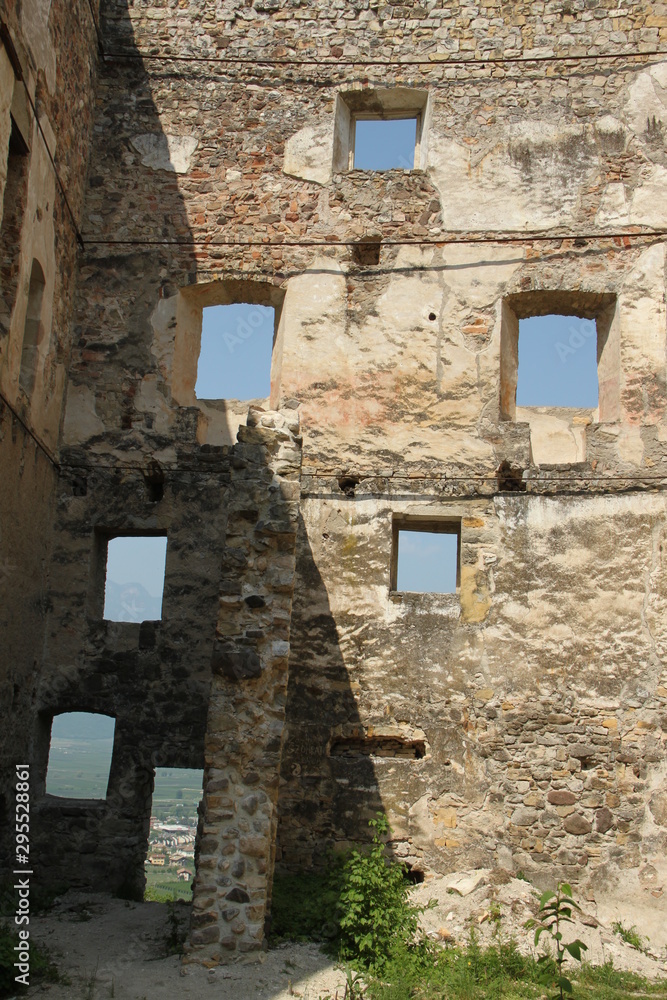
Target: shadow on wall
column 327, row 796
column 152, row 678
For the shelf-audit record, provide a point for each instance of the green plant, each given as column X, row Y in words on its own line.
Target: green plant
column 496, row 918
column 630, row 935
column 155, row 895
column 303, row 905
column 373, row 906
column 354, row 988
column 472, row 972
column 42, row 968
column 555, row 910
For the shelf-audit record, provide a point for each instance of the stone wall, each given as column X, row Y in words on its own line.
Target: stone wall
column 48, row 55
column 516, row 722
column 538, row 689
column 246, row 713
column 220, row 648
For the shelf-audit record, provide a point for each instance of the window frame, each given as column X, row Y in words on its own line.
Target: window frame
column 44, row 742
column 102, row 537
column 362, row 116
column 33, row 329
column 191, row 300
column 599, row 306
column 379, row 104
column 427, row 524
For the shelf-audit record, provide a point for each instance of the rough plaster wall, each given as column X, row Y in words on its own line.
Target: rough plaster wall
column 27, row 483
column 408, row 404
column 539, row 688
column 56, row 46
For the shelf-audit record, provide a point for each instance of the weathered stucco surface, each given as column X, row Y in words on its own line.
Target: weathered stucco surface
column 52, row 65
column 519, row 722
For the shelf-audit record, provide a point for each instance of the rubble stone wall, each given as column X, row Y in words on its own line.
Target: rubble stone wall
column 537, row 691
column 517, row 722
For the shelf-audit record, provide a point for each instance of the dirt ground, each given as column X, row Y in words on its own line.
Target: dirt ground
column 109, row 948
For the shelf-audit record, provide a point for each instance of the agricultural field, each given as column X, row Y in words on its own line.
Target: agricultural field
column 79, row 763
column 177, row 794
column 80, row 755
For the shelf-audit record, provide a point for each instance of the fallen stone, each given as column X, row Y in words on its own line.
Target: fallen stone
column 464, row 883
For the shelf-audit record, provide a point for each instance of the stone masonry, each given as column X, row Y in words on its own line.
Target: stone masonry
column 519, row 722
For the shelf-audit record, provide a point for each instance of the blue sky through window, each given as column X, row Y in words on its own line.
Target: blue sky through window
column 385, row 145
column 134, row 578
column 557, row 362
column 235, row 355
column 427, row 562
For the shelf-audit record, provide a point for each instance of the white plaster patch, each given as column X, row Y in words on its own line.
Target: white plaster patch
column 149, row 399
column 613, row 206
column 554, row 438
column 81, row 419
column 530, row 183
column 631, row 446
column 544, row 514
column 35, row 26
column 647, row 98
column 477, row 283
column 165, row 152
column 309, row 153
column 163, row 322
column 642, row 310
column 608, row 126
column 649, row 205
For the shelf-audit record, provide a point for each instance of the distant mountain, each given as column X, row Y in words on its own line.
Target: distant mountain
column 130, row 602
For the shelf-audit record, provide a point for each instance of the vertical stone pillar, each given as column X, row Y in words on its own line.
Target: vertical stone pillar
column 246, row 712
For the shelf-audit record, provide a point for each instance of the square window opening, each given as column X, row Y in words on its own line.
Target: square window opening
column 559, row 351
column 383, row 128
column 170, row 863
column 134, row 577
column 236, row 352
column 384, row 143
column 426, row 557
column 80, row 752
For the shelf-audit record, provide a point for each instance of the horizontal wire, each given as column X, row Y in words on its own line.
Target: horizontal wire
column 40, row 444
column 19, row 75
column 139, row 54
column 368, row 242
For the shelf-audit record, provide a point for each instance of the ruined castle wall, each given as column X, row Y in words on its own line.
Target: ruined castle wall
column 47, row 63
column 537, row 692
column 519, row 718
column 141, row 455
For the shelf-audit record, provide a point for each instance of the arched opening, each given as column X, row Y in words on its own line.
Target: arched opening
column 33, row 329
column 13, row 208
